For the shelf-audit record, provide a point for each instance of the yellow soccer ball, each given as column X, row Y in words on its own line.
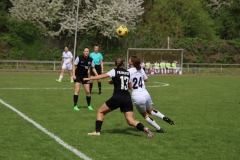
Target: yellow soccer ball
column 122, row 31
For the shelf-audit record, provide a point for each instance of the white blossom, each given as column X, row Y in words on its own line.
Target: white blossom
column 59, row 16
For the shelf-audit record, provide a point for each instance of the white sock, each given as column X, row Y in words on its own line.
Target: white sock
column 153, row 123
column 157, row 114
column 60, row 77
column 71, row 78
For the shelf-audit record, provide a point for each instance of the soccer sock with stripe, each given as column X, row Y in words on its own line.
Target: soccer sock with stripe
column 157, row 113
column 99, row 86
column 152, row 122
column 88, row 100
column 98, row 125
column 75, row 99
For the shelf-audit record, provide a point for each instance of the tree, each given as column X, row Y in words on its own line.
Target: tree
column 58, row 17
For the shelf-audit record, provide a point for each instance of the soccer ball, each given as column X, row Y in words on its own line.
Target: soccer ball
column 122, row 31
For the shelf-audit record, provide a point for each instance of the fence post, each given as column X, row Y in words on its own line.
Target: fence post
column 221, row 68
column 54, row 66
column 17, row 65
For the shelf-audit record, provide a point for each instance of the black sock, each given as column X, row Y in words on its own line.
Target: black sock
column 91, row 84
column 75, row 99
column 99, row 86
column 88, row 100
column 98, row 125
column 140, row 126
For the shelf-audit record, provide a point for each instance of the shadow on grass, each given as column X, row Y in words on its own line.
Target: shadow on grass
column 127, row 131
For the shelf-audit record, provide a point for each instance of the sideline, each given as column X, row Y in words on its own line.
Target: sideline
column 56, row 138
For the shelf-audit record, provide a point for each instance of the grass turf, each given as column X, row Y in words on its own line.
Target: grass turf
column 205, row 110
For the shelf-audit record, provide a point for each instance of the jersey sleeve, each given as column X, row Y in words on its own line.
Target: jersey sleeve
column 76, row 61
column 70, row 55
column 93, row 64
column 111, row 73
column 144, row 74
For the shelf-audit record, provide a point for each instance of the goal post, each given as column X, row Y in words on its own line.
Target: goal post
column 157, row 54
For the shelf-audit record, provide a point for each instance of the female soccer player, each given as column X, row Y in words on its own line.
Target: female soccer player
column 121, row 98
column 140, row 95
column 98, row 61
column 66, row 63
column 82, row 63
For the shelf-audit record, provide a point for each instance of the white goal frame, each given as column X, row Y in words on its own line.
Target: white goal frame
column 155, row 49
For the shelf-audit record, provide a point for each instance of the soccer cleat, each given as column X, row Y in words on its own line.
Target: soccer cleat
column 160, row 130
column 58, row 80
column 149, row 133
column 90, row 108
column 94, row 134
column 71, row 81
column 100, row 93
column 168, row 120
column 76, row 108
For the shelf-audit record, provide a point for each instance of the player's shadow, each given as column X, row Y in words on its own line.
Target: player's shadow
column 127, row 131
column 82, row 107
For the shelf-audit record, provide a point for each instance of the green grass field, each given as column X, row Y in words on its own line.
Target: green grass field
column 205, row 110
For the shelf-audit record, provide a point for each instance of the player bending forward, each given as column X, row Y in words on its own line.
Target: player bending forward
column 121, row 98
column 140, row 95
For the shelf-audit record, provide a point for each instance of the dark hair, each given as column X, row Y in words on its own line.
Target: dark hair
column 136, row 62
column 96, row 45
column 85, row 48
column 119, row 62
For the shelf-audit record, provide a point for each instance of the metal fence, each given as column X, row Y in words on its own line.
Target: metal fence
column 40, row 66
column 52, row 66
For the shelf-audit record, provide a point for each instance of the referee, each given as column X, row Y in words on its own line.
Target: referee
column 98, row 61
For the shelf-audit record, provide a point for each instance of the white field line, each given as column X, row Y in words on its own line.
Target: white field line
column 158, row 84
column 56, row 138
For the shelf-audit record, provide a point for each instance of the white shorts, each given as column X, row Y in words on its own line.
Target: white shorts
column 143, row 102
column 67, row 66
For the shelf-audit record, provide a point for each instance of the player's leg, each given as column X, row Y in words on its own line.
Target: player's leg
column 103, row 110
column 99, row 71
column 70, row 72
column 127, row 108
column 132, row 122
column 75, row 96
column 140, row 103
column 91, row 81
column 155, row 112
column 62, row 73
column 88, row 95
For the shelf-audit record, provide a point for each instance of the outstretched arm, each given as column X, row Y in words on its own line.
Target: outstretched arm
column 96, row 77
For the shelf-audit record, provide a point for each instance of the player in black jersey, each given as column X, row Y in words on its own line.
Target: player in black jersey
column 81, row 69
column 121, row 98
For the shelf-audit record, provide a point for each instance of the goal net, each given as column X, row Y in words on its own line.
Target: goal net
column 157, row 54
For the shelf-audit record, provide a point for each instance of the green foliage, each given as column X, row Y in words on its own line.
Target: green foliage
column 226, row 58
column 229, row 18
column 199, row 59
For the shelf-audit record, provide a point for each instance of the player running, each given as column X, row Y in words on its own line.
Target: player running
column 121, row 98
column 140, row 95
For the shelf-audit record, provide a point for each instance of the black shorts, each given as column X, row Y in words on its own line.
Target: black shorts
column 122, row 101
column 98, row 69
column 79, row 79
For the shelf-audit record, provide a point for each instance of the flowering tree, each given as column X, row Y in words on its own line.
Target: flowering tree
column 58, row 17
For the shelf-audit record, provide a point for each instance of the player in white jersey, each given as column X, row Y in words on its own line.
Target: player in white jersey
column 66, row 63
column 140, row 95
